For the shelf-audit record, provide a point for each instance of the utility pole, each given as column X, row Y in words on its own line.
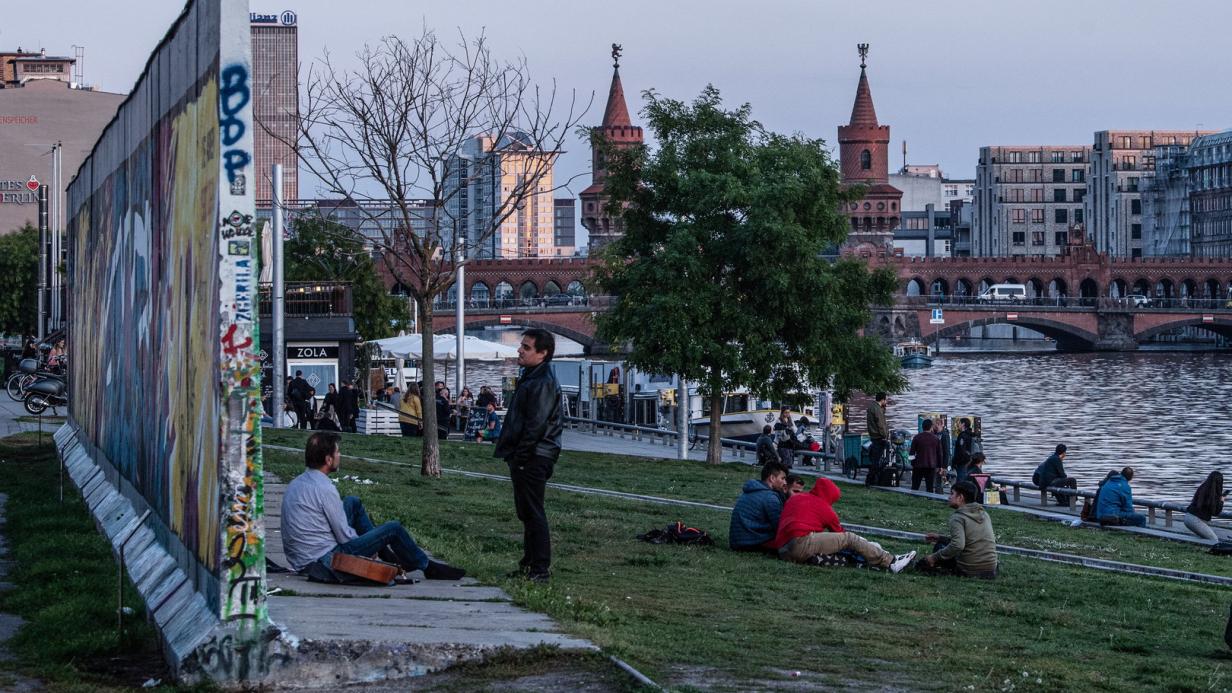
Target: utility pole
column 42, row 280
column 682, row 409
column 460, row 319
column 278, row 299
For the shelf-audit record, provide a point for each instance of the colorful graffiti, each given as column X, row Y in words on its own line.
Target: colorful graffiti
column 166, row 381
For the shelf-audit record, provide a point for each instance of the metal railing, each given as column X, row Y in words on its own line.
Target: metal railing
column 563, row 302
column 310, row 298
column 1153, row 508
column 1144, row 303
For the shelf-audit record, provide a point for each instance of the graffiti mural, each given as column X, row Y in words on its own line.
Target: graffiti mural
column 162, row 270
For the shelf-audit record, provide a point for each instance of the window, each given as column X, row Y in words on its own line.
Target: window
column 1037, row 216
column 1077, row 216
column 1077, row 176
column 1126, row 142
column 1015, row 157
column 1135, row 231
column 1019, row 216
column 1058, row 194
column 1075, row 157
column 1037, row 238
column 866, row 160
column 1058, row 175
column 1079, row 193
column 1020, row 238
column 1135, row 206
column 1058, row 157
column 1061, row 216
column 1033, row 157
column 1015, row 175
column 1129, row 163
column 1015, row 195
column 1061, row 238
column 1135, row 252
column 1037, row 195
column 1034, row 175
column 1131, row 184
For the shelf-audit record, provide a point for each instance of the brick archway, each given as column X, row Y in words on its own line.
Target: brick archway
column 1068, row 337
column 1221, row 325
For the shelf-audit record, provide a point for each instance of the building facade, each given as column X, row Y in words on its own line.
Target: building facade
column 1027, row 198
column 864, row 160
column 616, row 131
column 1119, row 161
column 1165, row 204
column 275, row 101
column 565, row 224
column 483, row 177
column 1209, row 171
column 923, row 185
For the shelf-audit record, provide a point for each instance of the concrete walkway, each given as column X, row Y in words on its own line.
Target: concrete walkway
column 10, row 411
column 401, row 631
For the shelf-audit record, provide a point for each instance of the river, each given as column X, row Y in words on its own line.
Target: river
column 1168, row 414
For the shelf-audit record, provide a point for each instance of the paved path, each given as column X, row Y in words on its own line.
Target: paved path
column 10, row 411
column 439, row 622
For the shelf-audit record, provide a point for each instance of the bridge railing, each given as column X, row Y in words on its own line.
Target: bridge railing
column 1078, row 302
column 560, row 301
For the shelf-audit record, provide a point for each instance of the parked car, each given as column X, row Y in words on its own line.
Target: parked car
column 1138, row 300
column 558, row 300
column 1004, row 292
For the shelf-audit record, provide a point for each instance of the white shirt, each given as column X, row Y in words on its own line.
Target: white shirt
column 313, row 520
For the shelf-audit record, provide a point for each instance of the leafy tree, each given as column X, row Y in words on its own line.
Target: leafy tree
column 720, row 273
column 324, row 250
column 19, row 281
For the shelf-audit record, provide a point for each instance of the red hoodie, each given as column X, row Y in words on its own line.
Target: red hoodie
column 810, row 512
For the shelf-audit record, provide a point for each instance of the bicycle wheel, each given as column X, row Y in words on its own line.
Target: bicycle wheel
column 13, row 386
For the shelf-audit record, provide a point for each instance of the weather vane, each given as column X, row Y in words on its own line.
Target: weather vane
column 863, row 48
column 616, row 48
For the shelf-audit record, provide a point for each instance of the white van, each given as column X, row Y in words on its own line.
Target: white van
column 1004, row 292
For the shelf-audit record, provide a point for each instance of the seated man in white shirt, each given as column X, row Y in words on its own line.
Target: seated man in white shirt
column 317, row 523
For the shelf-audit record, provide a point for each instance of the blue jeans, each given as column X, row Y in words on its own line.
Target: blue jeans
column 1124, row 519
column 372, row 539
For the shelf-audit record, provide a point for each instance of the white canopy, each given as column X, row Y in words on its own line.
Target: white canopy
column 445, row 347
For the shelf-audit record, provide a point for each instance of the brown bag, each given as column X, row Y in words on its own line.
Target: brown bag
column 371, row 569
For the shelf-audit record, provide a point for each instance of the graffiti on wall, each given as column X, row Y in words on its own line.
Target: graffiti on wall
column 162, row 267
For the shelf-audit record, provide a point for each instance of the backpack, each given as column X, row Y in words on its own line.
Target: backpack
column 1088, row 510
column 677, row 533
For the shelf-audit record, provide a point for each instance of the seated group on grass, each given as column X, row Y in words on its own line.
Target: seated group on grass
column 773, row 517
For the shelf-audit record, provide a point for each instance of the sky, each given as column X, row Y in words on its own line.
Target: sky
column 947, row 76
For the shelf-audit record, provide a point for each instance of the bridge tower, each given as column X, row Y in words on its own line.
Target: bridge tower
column 619, row 131
column 864, row 160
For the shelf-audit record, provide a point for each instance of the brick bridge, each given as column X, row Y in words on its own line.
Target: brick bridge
column 1077, row 298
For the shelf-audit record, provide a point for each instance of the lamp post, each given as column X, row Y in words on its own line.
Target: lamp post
column 278, row 298
column 460, row 319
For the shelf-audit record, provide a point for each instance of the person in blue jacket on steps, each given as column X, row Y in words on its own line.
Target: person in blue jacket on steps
column 1115, row 505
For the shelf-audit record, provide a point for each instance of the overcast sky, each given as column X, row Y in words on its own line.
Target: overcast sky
column 947, row 76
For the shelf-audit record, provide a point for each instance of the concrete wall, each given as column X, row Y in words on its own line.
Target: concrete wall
column 165, row 386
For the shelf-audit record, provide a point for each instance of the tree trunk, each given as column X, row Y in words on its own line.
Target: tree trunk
column 714, row 447
column 430, row 462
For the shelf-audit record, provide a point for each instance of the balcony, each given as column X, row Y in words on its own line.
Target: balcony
column 302, row 299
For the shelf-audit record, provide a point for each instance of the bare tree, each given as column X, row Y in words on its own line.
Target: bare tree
column 428, row 127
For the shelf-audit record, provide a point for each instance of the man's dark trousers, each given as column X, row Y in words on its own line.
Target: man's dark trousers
column 529, row 482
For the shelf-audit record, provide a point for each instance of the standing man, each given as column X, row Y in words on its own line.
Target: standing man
column 298, row 392
column 962, row 450
column 348, row 406
column 926, row 449
column 878, row 435
column 530, row 443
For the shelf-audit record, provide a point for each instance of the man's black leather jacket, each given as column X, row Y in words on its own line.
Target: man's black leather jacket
column 533, row 421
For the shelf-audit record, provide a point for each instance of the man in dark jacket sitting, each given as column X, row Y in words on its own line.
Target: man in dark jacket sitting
column 530, row 444
column 1051, row 474
column 755, row 518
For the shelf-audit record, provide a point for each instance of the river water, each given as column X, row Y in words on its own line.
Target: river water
column 1168, row 414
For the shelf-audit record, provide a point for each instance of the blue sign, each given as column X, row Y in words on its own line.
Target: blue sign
column 938, row 317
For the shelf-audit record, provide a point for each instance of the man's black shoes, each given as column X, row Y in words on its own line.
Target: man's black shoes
column 443, row 571
column 539, row 578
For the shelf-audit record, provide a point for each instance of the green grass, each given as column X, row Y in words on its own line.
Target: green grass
column 65, row 583
column 710, row 618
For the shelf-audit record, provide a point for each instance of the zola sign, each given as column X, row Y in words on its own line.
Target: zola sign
column 312, row 352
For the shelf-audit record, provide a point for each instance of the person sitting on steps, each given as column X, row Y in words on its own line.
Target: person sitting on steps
column 1115, row 505
column 1207, row 502
column 1051, row 474
column 755, row 517
column 971, row 548
column 809, row 527
column 316, row 523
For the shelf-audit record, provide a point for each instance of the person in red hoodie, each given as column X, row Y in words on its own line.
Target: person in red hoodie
column 809, row 527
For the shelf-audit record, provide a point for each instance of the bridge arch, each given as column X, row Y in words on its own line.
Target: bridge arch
column 576, row 288
column 963, row 287
column 503, row 293
column 939, row 287
column 1118, row 288
column 915, row 287
column 528, row 291
column 480, row 294
column 1057, row 288
column 1088, row 288
column 587, row 341
column 1141, row 286
column 1068, row 337
column 1221, row 325
column 1035, row 288
column 1187, row 288
column 1210, row 288
column 551, row 288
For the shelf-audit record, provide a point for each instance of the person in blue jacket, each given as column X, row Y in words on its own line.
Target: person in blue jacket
column 1115, row 505
column 755, row 519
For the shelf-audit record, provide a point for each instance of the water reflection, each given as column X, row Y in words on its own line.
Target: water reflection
column 1166, row 415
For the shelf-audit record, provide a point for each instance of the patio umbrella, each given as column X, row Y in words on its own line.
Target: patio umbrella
column 445, row 347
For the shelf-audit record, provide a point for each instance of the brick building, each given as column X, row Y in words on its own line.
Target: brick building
column 617, row 130
column 864, row 160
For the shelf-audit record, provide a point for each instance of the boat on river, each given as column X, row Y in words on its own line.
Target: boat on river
column 914, row 354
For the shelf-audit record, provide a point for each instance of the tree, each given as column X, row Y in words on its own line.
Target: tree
column 19, row 281
column 457, row 142
column 720, row 274
column 324, row 250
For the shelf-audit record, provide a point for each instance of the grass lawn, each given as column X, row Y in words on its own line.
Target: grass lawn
column 709, row 618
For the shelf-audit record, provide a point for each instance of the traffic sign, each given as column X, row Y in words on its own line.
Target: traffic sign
column 938, row 317
column 1011, row 316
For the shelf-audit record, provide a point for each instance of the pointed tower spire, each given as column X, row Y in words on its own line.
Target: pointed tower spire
column 862, row 111
column 617, row 113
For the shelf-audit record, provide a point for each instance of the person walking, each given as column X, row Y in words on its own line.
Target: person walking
column 1207, row 502
column 297, row 393
column 878, row 436
column 530, row 444
column 926, row 457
